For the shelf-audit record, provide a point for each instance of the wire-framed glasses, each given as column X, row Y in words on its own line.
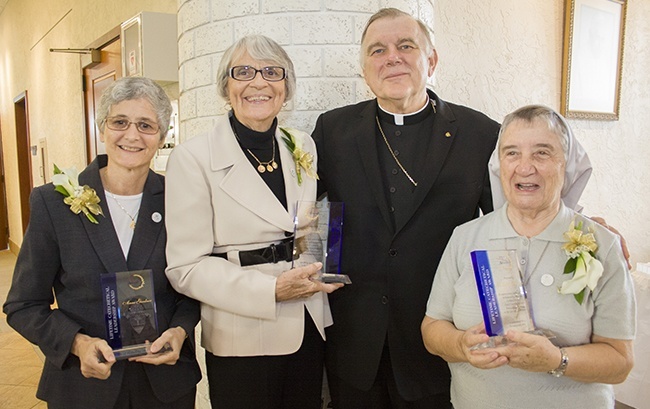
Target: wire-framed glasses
column 119, row 123
column 248, row 73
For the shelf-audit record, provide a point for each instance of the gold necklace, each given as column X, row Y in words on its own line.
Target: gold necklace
column 393, row 153
column 262, row 167
column 132, row 224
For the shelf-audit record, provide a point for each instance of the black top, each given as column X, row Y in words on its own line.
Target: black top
column 410, row 144
column 261, row 145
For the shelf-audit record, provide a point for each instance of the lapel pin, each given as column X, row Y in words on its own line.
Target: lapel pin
column 447, row 134
column 156, row 217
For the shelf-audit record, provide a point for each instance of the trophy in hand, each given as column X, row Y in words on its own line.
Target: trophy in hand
column 130, row 313
column 318, row 236
column 502, row 294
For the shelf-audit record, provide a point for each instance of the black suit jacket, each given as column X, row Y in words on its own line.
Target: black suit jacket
column 68, row 253
column 392, row 268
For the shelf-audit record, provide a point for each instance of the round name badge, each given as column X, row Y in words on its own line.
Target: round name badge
column 547, row 280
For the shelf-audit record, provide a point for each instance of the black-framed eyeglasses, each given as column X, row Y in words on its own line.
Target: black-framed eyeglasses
column 248, row 73
column 118, row 123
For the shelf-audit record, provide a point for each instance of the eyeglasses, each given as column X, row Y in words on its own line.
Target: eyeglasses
column 248, row 73
column 117, row 123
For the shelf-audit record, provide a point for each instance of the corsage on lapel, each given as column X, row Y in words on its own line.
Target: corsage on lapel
column 303, row 160
column 79, row 198
column 586, row 268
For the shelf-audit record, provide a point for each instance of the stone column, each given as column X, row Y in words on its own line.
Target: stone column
column 321, row 36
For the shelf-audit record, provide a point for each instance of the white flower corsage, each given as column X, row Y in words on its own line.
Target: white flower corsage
column 586, row 268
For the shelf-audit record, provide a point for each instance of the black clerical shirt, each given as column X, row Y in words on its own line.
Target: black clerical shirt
column 410, row 143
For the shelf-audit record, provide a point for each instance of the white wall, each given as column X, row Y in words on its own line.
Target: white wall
column 496, row 55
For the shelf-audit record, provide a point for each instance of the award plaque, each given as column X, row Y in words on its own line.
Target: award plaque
column 501, row 292
column 129, row 312
column 318, row 236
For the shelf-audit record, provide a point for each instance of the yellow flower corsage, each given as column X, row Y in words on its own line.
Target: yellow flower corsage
column 79, row 198
column 303, row 160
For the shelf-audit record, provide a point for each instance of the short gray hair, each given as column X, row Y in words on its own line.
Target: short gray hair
column 260, row 48
column 128, row 88
column 391, row 12
column 531, row 113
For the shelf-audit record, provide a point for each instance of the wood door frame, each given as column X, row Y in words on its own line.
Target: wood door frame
column 23, row 153
column 4, row 214
column 103, row 41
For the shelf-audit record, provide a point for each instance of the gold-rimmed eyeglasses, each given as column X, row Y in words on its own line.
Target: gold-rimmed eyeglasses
column 248, row 73
column 118, row 123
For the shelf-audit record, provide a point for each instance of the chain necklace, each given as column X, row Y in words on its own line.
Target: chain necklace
column 262, row 167
column 133, row 218
column 393, row 153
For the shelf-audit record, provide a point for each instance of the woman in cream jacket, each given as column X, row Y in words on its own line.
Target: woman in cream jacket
column 231, row 197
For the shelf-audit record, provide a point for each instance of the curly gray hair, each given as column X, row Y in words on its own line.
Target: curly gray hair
column 128, row 88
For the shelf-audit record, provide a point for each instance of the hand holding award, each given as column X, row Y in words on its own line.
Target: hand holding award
column 502, row 295
column 130, row 313
column 318, row 237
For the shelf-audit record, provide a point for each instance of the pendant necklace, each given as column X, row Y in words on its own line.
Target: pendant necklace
column 393, row 153
column 262, row 167
column 133, row 218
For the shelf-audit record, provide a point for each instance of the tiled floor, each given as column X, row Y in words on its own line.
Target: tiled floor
column 20, row 361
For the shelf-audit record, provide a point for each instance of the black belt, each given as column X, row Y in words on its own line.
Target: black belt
column 274, row 253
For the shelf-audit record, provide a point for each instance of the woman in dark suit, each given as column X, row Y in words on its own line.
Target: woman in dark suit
column 69, row 245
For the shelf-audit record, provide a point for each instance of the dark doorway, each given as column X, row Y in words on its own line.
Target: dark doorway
column 4, row 215
column 23, row 151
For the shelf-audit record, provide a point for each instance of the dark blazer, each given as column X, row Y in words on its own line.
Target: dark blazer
column 68, row 253
column 392, row 268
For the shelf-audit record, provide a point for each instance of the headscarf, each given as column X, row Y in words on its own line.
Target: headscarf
column 576, row 175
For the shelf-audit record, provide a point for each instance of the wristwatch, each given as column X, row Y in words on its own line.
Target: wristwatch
column 559, row 371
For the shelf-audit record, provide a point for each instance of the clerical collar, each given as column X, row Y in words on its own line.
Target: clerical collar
column 408, row 119
column 251, row 139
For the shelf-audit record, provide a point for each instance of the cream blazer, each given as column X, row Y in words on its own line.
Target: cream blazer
column 216, row 202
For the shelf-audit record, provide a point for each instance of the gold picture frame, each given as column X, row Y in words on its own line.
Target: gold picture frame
column 594, row 35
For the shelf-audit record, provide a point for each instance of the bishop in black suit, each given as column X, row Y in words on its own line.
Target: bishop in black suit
column 409, row 167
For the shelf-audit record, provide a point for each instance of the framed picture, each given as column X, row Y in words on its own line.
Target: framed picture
column 594, row 34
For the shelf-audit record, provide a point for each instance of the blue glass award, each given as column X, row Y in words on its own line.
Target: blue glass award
column 129, row 312
column 501, row 292
column 318, row 236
